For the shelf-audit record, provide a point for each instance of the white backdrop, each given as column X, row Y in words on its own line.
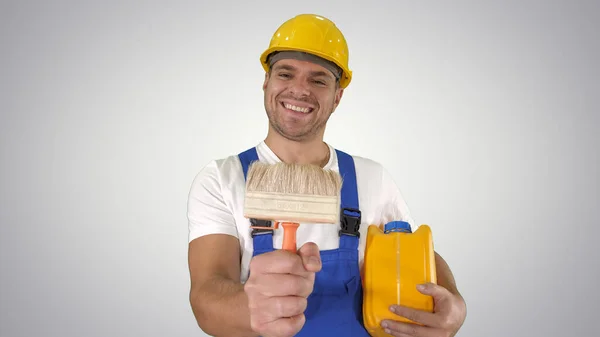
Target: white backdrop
column 486, row 113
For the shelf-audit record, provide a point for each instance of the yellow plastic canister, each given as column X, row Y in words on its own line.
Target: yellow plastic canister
column 396, row 261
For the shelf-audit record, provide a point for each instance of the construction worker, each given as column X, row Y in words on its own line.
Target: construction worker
column 242, row 283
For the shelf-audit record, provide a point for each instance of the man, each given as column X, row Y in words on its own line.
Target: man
column 242, row 283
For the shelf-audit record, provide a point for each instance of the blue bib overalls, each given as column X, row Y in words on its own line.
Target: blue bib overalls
column 335, row 305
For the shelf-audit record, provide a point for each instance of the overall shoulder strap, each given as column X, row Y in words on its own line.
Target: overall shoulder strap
column 246, row 158
column 350, row 215
column 349, row 187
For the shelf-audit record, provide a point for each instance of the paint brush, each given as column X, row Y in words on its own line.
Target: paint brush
column 289, row 194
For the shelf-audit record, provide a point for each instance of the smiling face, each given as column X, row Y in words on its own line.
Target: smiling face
column 299, row 98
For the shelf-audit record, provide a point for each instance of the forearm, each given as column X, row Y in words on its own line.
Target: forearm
column 220, row 306
column 445, row 278
column 458, row 309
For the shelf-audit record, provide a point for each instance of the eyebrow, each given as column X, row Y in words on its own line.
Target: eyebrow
column 312, row 73
column 283, row 67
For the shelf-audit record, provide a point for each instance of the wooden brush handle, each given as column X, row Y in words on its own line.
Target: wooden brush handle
column 289, row 236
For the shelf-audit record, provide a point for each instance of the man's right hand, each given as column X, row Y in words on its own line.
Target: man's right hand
column 278, row 287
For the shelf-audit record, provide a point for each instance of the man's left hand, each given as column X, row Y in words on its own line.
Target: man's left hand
column 448, row 316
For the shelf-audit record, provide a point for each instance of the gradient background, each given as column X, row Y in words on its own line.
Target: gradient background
column 486, row 113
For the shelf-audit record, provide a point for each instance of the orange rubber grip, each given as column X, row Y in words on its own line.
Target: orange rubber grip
column 289, row 236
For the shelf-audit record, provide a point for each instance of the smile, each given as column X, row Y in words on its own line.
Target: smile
column 297, row 108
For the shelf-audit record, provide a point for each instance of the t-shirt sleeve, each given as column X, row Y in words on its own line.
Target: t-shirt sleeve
column 208, row 213
column 394, row 206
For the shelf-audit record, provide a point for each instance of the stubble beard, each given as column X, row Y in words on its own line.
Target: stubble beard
column 307, row 132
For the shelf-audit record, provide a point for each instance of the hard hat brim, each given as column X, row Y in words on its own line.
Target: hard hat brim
column 345, row 78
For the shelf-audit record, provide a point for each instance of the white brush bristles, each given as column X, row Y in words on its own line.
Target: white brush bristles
column 293, row 178
column 292, row 192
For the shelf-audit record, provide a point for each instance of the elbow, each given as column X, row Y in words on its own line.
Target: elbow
column 210, row 316
column 204, row 314
column 201, row 313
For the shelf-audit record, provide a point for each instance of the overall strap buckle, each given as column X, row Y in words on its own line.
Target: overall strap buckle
column 260, row 227
column 350, row 221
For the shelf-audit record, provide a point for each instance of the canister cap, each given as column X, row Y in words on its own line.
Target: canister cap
column 397, row 226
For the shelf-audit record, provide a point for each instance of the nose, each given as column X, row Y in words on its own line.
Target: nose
column 299, row 88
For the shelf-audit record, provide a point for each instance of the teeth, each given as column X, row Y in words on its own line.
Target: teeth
column 296, row 108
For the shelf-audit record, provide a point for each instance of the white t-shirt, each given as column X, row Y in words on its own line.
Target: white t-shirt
column 216, row 204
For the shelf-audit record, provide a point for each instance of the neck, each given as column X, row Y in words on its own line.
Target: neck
column 313, row 151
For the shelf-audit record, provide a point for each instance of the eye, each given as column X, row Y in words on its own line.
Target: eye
column 319, row 82
column 284, row 75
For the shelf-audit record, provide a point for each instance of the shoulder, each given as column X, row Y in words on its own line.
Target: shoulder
column 212, row 204
column 372, row 178
column 367, row 164
column 218, row 173
column 373, row 173
column 376, row 174
column 367, row 168
column 381, row 191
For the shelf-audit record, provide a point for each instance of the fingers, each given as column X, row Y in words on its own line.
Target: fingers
column 282, row 307
column 418, row 316
column 311, row 257
column 281, row 316
column 398, row 334
column 278, row 287
column 445, row 321
column 274, row 285
column 281, row 327
column 395, row 328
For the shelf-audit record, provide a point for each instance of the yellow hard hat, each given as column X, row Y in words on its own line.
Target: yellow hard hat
column 313, row 34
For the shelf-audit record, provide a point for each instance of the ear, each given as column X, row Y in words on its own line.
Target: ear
column 266, row 80
column 338, row 97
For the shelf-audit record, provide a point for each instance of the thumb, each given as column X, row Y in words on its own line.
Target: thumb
column 311, row 257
